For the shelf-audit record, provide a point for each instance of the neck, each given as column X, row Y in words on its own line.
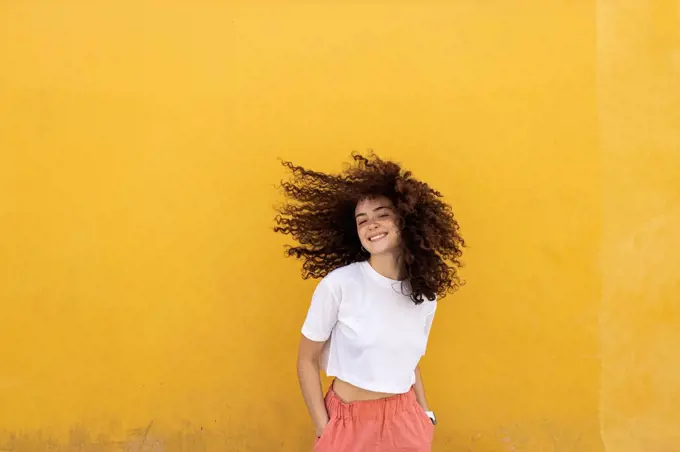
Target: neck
column 388, row 265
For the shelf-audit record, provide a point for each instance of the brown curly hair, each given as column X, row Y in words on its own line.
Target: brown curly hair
column 320, row 217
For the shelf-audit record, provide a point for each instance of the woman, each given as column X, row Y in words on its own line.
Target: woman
column 385, row 247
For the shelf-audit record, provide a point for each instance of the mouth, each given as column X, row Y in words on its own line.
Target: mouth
column 377, row 237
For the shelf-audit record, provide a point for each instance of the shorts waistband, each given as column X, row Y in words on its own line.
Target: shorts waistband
column 369, row 409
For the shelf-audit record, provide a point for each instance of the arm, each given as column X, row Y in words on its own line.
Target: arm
column 310, row 382
column 419, row 388
column 321, row 319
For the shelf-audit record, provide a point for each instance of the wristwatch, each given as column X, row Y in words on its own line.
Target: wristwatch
column 432, row 417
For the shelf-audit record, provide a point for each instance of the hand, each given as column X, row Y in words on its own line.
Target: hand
column 319, row 430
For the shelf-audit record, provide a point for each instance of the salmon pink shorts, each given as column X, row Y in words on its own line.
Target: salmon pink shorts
column 393, row 424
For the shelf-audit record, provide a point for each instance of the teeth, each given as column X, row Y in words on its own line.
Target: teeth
column 377, row 237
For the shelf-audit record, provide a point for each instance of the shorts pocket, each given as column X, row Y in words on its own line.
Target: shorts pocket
column 325, row 435
column 429, row 426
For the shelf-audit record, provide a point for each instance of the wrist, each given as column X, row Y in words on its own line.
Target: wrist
column 320, row 428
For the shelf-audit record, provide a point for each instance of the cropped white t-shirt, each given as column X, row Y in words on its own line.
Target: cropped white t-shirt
column 377, row 334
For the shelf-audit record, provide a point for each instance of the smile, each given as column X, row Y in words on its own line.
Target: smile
column 377, row 237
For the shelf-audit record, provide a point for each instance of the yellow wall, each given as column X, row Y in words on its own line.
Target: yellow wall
column 146, row 305
column 639, row 321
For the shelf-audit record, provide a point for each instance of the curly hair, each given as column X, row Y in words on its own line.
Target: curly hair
column 319, row 215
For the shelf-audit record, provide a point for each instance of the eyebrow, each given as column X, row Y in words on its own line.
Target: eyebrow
column 374, row 210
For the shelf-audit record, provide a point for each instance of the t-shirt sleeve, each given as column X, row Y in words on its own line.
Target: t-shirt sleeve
column 430, row 318
column 428, row 326
column 322, row 313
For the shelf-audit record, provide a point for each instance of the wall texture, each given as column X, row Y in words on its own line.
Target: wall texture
column 146, row 304
column 639, row 320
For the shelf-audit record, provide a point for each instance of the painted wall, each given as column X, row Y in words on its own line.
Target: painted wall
column 639, row 321
column 147, row 306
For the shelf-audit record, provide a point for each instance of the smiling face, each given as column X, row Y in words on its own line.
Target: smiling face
column 377, row 227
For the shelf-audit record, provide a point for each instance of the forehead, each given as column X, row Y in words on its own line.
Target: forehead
column 369, row 204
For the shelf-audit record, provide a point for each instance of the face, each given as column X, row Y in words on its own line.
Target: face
column 376, row 220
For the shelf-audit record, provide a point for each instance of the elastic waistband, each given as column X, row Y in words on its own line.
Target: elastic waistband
column 369, row 409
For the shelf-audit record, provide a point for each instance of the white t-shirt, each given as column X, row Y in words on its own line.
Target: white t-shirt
column 377, row 334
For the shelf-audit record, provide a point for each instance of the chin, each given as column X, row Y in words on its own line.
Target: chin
column 377, row 251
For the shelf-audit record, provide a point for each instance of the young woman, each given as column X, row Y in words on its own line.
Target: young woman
column 384, row 246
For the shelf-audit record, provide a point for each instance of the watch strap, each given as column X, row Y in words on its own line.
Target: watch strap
column 432, row 417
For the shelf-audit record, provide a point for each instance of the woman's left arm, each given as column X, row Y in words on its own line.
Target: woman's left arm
column 419, row 388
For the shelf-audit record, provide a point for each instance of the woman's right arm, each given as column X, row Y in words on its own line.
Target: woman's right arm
column 310, row 382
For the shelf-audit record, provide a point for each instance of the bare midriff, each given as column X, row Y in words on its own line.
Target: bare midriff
column 350, row 393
